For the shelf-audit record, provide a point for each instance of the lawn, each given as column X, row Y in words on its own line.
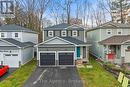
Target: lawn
column 19, row 77
column 97, row 77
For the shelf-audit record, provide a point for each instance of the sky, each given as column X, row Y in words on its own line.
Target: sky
column 73, row 8
column 48, row 14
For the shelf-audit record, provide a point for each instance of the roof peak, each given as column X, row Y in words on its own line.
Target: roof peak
column 64, row 26
column 15, row 27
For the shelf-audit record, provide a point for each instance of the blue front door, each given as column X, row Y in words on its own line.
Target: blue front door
column 78, row 52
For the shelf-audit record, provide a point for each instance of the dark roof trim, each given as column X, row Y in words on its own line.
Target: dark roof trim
column 15, row 28
column 64, row 26
column 116, row 40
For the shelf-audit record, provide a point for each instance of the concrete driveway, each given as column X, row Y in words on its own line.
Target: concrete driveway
column 11, row 70
column 54, row 77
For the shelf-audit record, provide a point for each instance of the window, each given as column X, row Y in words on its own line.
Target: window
column 16, row 34
column 50, row 33
column 63, row 33
column 14, row 54
column 7, row 54
column 109, row 31
column 2, row 35
column 75, row 33
column 119, row 31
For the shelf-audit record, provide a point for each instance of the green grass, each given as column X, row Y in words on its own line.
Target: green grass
column 20, row 76
column 97, row 77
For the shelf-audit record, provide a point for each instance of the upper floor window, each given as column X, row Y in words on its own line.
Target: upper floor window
column 2, row 35
column 63, row 33
column 109, row 31
column 16, row 34
column 119, row 31
column 74, row 33
column 50, row 33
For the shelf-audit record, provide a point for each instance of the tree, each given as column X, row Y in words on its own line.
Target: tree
column 29, row 13
column 66, row 7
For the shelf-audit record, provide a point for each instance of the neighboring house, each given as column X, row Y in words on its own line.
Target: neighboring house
column 62, row 45
column 110, row 42
column 16, row 45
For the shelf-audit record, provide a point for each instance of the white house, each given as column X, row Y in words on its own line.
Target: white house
column 16, row 45
column 110, row 42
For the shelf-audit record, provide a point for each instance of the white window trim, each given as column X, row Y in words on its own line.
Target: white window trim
column 63, row 33
column 49, row 34
column 119, row 30
column 75, row 34
column 109, row 30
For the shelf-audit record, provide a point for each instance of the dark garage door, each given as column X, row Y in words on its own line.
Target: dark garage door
column 66, row 58
column 47, row 58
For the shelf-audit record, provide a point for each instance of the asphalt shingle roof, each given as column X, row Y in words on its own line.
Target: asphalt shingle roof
column 64, row 26
column 13, row 27
column 74, row 40
column 115, row 40
column 18, row 43
column 112, row 25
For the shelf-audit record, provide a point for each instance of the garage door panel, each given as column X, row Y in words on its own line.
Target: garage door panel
column 11, row 60
column 47, row 58
column 66, row 58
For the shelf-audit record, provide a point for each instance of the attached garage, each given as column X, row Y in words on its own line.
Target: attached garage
column 14, row 53
column 47, row 59
column 56, row 58
column 58, row 51
column 11, row 60
column 66, row 58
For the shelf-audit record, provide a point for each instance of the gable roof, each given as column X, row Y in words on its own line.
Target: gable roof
column 112, row 25
column 18, row 43
column 116, row 40
column 70, row 40
column 64, row 26
column 74, row 40
column 15, row 28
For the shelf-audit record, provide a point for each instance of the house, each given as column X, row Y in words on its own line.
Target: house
column 62, row 45
column 110, row 42
column 16, row 45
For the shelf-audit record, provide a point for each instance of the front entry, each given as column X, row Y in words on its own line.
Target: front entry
column 78, row 52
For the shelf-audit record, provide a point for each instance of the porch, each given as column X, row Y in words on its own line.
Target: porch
column 82, row 54
column 112, row 53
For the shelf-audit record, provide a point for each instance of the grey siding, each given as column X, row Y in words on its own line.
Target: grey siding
column 84, row 52
column 69, row 33
column 8, row 48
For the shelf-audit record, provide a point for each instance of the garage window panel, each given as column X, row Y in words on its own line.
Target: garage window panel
column 7, row 54
column 14, row 54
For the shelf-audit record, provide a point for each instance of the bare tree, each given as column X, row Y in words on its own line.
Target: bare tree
column 66, row 7
column 55, row 11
